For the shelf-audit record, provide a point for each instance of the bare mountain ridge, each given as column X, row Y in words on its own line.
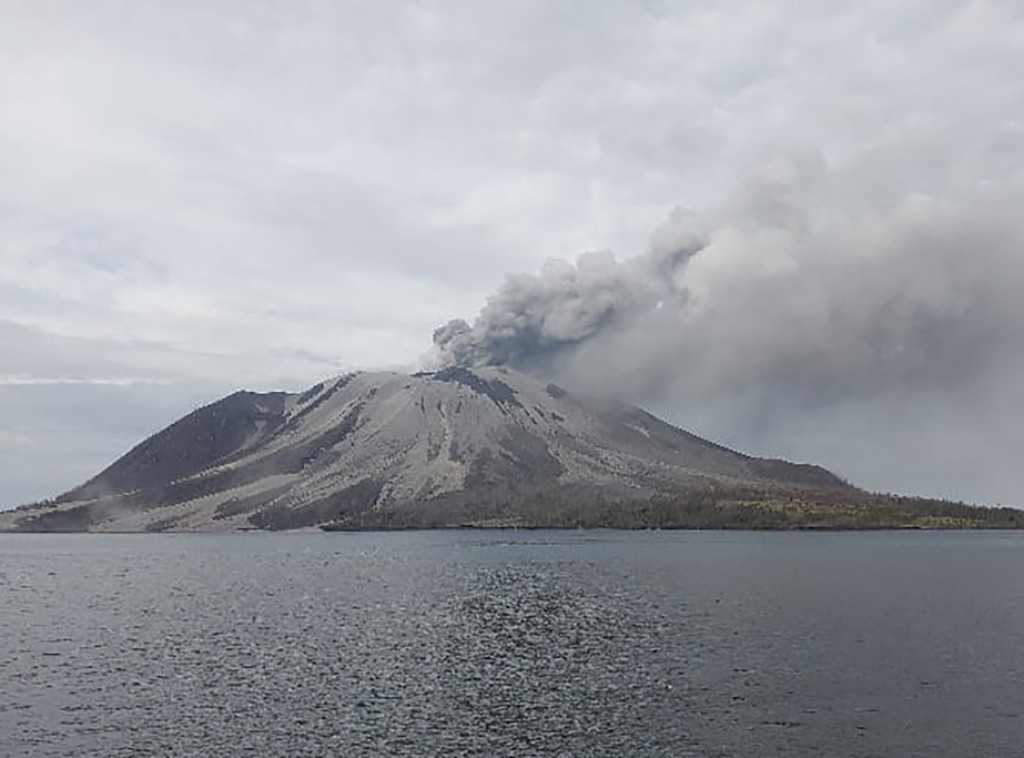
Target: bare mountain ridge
column 462, row 441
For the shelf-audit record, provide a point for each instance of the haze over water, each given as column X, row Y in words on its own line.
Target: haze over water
column 512, row 644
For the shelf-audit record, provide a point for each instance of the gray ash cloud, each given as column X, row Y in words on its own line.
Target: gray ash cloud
column 533, row 319
column 802, row 301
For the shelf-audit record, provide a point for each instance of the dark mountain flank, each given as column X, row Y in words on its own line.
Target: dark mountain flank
column 454, row 447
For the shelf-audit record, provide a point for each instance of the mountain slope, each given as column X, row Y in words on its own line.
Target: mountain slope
column 473, row 442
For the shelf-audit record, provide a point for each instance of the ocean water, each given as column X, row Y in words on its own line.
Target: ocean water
column 513, row 643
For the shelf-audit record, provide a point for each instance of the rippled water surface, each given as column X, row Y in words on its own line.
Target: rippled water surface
column 524, row 643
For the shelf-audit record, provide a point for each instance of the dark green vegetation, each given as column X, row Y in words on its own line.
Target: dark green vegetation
column 708, row 505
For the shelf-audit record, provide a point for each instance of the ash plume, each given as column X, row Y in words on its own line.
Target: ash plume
column 534, row 318
column 798, row 309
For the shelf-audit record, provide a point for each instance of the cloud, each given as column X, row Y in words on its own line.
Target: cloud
column 23, row 380
column 781, row 310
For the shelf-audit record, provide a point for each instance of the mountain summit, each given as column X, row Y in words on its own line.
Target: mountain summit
column 458, row 444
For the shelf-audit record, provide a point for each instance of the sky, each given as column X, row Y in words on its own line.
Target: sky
column 791, row 227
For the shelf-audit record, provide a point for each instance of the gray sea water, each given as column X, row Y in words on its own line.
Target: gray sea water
column 513, row 643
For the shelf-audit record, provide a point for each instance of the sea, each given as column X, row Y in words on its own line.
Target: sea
column 513, row 643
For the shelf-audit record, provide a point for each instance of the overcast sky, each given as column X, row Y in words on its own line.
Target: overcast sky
column 202, row 196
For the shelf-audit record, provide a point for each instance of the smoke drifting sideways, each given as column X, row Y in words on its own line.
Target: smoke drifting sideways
column 878, row 333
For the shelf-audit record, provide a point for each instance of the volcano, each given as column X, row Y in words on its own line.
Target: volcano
column 445, row 448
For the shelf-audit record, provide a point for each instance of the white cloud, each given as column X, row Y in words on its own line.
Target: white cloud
column 26, row 380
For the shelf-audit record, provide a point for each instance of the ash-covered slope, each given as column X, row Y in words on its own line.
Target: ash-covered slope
column 469, row 441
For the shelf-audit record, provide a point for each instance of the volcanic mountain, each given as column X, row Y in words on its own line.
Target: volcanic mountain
column 450, row 447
